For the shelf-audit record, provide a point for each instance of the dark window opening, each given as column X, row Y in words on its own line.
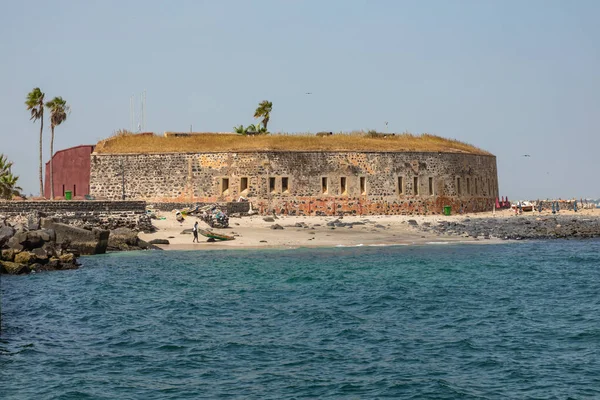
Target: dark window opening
column 431, row 186
column 225, row 186
column 458, row 189
column 324, row 189
column 285, row 188
column 272, row 184
column 400, row 185
column 416, row 185
column 363, row 185
column 243, row 184
column 74, row 190
column 63, row 190
column 343, row 187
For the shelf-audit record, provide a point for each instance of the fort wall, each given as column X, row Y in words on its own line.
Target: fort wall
column 304, row 183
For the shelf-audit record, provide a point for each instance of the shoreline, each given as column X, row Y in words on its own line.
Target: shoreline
column 256, row 232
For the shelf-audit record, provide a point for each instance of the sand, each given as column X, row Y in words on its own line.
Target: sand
column 254, row 232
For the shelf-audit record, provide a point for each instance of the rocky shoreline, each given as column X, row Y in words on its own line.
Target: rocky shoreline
column 36, row 244
column 518, row 227
column 43, row 244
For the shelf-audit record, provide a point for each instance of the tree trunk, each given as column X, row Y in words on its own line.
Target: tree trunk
column 52, row 164
column 41, row 155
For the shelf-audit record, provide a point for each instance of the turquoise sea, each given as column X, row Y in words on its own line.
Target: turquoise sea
column 515, row 320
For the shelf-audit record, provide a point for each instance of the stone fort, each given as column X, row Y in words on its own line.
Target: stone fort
column 302, row 182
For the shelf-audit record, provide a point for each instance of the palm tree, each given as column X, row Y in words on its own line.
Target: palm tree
column 35, row 104
column 264, row 111
column 59, row 109
column 8, row 181
column 240, row 129
column 255, row 129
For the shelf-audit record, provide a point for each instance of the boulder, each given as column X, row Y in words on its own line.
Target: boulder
column 24, row 257
column 6, row 232
column 276, row 226
column 67, row 258
column 40, row 255
column 33, row 240
column 12, row 268
column 269, row 219
column 53, row 264
column 83, row 241
column 36, row 267
column 14, row 245
column 7, row 255
column 123, row 239
column 159, row 241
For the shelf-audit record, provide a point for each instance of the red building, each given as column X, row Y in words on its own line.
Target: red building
column 71, row 172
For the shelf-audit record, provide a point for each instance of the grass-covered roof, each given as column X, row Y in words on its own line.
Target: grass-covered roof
column 122, row 143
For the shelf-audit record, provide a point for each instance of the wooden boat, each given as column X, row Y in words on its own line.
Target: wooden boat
column 214, row 235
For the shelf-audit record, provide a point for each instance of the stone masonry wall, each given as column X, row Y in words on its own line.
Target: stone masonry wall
column 304, row 183
column 102, row 214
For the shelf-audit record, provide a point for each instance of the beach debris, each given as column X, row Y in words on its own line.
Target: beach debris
column 269, row 219
column 214, row 216
column 276, row 226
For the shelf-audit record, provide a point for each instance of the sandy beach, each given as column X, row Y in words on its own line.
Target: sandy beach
column 254, row 232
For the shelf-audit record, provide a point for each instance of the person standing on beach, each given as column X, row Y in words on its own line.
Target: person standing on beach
column 195, row 232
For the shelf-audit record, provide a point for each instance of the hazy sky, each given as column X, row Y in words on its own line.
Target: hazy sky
column 512, row 77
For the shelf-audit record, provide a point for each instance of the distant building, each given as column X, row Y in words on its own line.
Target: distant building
column 71, row 172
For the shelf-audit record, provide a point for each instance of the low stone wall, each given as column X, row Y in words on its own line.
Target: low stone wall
column 230, row 208
column 85, row 214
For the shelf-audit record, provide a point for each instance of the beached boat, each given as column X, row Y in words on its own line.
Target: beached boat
column 214, row 235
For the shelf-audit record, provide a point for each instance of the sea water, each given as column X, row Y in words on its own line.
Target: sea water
column 517, row 320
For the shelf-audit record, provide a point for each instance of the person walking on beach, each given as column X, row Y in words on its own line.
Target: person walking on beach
column 195, row 232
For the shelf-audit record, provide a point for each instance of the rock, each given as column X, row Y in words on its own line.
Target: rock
column 276, row 226
column 378, row 226
column 36, row 267
column 12, row 268
column 53, row 264
column 40, row 255
column 69, row 266
column 67, row 258
column 263, row 241
column 269, row 219
column 412, row 222
column 33, row 221
column 7, row 255
column 6, row 232
column 122, row 239
column 13, row 243
column 33, row 240
column 20, row 228
column 159, row 241
column 50, row 249
column 186, row 232
column 143, row 245
column 83, row 241
column 24, row 257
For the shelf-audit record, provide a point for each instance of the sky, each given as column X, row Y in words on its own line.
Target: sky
column 511, row 77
